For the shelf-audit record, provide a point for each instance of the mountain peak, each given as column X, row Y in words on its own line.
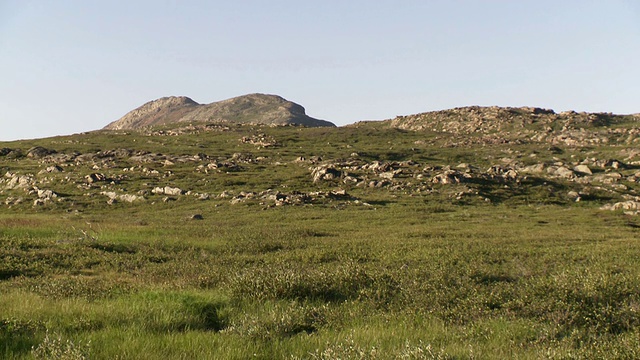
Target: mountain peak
column 247, row 109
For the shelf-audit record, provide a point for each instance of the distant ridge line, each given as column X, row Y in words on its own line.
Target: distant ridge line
column 247, row 109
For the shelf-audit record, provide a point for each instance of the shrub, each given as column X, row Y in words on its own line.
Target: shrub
column 55, row 348
column 281, row 321
column 349, row 349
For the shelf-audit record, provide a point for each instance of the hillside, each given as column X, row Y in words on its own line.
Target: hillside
column 482, row 125
column 482, row 233
column 247, row 109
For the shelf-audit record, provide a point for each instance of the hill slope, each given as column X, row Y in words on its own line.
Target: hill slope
column 224, row 240
column 252, row 108
column 476, row 125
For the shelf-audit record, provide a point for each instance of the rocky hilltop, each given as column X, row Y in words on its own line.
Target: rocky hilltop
column 482, row 125
column 247, row 109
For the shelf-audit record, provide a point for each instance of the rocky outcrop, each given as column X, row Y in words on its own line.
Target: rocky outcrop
column 247, row 109
column 630, row 207
column 157, row 112
column 476, row 125
column 17, row 181
column 325, row 172
column 114, row 197
column 273, row 198
column 168, row 190
column 39, row 152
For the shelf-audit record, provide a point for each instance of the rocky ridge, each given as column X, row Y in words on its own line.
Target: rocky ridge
column 247, row 109
column 476, row 125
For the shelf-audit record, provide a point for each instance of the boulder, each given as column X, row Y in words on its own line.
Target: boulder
column 325, row 172
column 90, row 179
column 583, row 169
column 113, row 197
column 564, row 172
column 51, row 169
column 15, row 154
column 168, row 190
column 19, row 181
column 614, row 164
column 39, row 152
column 624, row 205
column 534, row 169
column 574, row 195
column 130, row 198
column 448, row 177
column 40, row 202
column 13, row 201
column 46, row 194
column 173, row 191
column 390, row 174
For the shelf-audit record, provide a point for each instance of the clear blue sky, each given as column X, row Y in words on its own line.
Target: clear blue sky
column 71, row 66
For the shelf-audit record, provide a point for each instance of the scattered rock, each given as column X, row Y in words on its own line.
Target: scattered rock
column 47, row 194
column 615, row 164
column 273, row 198
column 534, row 169
column 325, row 173
column 92, row 178
column 260, row 140
column 624, row 205
column 10, row 201
column 39, row 152
column 449, row 177
column 564, row 172
column 498, row 171
column 167, row 190
column 39, row 202
column 390, row 174
column 51, row 169
column 173, row 191
column 19, row 181
column 574, row 195
column 491, row 125
column 130, row 198
column 242, row 197
column 583, row 169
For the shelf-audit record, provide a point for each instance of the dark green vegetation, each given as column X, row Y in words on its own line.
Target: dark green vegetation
column 363, row 242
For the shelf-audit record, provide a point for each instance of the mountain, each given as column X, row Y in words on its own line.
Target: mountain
column 246, row 109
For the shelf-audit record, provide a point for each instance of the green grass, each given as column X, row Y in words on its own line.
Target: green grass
column 412, row 275
column 480, row 282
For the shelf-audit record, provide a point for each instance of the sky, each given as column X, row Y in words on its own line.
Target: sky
column 73, row 66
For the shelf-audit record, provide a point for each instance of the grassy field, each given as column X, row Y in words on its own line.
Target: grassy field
column 373, row 274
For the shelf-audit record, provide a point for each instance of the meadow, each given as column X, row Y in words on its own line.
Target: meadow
column 482, row 270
